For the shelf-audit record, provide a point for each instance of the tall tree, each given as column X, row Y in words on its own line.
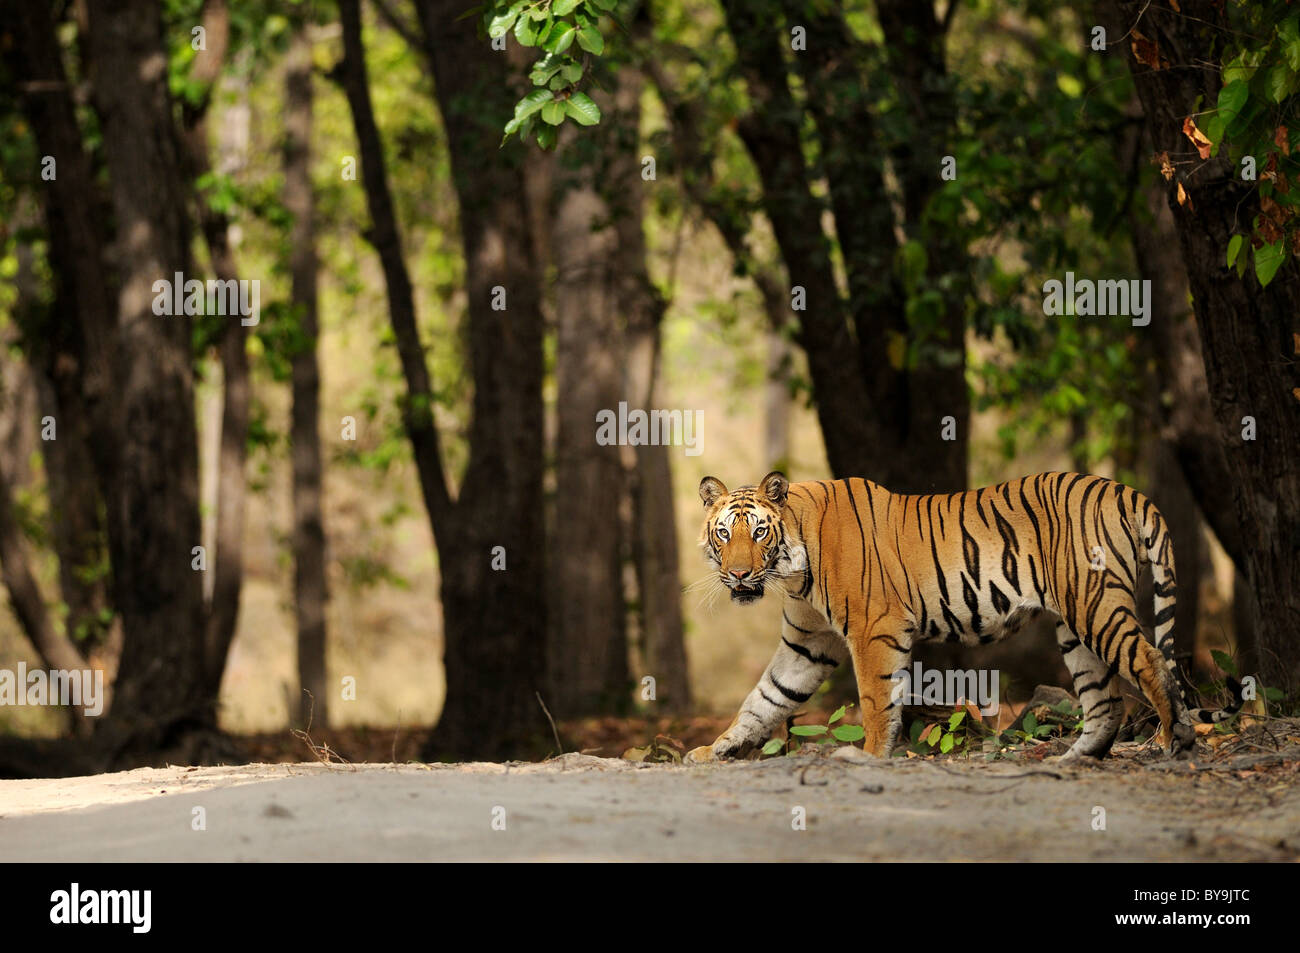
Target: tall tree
column 308, row 527
column 1249, row 327
column 227, row 558
column 494, row 619
column 587, row 651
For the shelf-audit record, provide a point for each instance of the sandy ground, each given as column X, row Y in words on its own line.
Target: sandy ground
column 584, row 808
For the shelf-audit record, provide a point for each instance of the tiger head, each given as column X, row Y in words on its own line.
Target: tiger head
column 745, row 538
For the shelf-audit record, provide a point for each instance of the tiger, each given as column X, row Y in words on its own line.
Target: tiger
column 865, row 575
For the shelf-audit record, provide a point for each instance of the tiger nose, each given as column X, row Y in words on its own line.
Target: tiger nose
column 740, row 574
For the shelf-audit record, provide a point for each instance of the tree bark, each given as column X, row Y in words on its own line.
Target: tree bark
column 494, row 619
column 153, row 493
column 227, row 558
column 310, row 592
column 879, row 417
column 1247, row 332
column 587, row 654
column 654, row 536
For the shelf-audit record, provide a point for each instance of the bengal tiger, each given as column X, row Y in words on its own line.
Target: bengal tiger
column 866, row 574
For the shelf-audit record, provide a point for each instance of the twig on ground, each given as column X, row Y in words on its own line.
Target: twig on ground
column 547, row 712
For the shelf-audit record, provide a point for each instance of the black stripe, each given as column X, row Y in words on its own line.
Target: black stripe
column 795, row 627
column 789, row 693
column 801, row 650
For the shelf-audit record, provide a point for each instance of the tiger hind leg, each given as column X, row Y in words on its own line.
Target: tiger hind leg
column 1094, row 684
column 1126, row 650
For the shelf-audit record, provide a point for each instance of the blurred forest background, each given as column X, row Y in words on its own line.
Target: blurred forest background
column 824, row 227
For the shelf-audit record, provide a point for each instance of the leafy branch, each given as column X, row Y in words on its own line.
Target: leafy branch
column 568, row 34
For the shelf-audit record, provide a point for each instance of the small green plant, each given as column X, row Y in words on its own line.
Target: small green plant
column 927, row 739
column 828, row 733
column 1063, row 718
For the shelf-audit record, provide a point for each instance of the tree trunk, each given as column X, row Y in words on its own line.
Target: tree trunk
column 654, row 523
column 587, row 655
column 226, row 561
column 153, row 514
column 495, row 619
column 1247, row 332
column 879, row 416
column 308, row 529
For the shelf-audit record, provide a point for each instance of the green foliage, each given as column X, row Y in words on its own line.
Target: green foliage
column 826, row 734
column 954, row 735
column 1063, row 718
column 1254, row 120
column 568, row 34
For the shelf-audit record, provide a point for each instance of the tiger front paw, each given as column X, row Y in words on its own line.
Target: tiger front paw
column 724, row 749
column 701, row 755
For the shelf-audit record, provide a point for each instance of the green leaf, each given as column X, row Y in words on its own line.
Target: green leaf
column 1030, row 723
column 572, row 71
column 553, row 113
column 526, row 31
column 1234, row 248
column 532, row 102
column 562, row 8
column 839, row 713
column 500, row 24
column 1274, row 694
column 606, row 4
column 935, row 734
column 1268, row 259
column 1226, row 662
column 1282, row 81
column 582, row 109
column 1232, row 97
column 848, row 732
column 561, row 37
column 589, row 39
column 808, row 731
column 945, row 745
column 546, row 137
column 956, row 719
column 773, row 746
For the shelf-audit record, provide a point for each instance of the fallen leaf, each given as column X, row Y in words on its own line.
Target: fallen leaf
column 1204, row 729
column 1202, row 144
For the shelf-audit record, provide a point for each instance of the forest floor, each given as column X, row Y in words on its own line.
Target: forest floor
column 812, row 806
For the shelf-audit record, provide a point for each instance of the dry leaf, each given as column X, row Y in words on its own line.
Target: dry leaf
column 1147, row 52
column 1203, row 729
column 1183, row 198
column 1202, row 144
column 1174, row 4
column 1166, row 167
column 1282, row 139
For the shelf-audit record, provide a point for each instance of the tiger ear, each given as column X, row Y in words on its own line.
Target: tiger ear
column 774, row 487
column 711, row 488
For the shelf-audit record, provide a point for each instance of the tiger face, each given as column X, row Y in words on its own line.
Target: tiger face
column 745, row 538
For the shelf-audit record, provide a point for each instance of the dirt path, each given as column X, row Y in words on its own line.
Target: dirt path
column 584, row 808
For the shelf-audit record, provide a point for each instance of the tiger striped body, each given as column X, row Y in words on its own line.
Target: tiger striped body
column 866, row 574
